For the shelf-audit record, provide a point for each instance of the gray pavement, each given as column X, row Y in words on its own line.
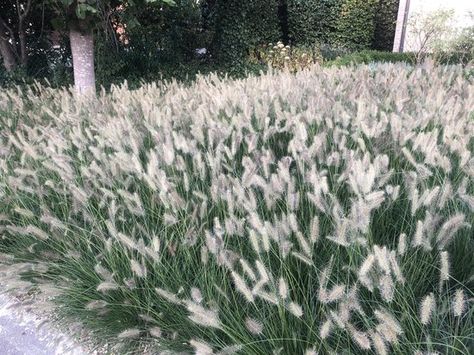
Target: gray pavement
column 19, row 334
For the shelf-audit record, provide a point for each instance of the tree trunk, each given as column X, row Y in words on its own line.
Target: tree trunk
column 82, row 48
column 6, row 51
column 23, row 50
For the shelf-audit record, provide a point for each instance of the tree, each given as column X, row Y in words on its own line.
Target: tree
column 427, row 31
column 13, row 24
column 81, row 18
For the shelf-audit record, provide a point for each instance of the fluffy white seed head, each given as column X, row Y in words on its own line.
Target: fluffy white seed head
column 129, row 333
column 201, row 347
column 444, row 267
column 459, row 303
column 325, row 329
column 254, row 326
column 295, row 309
column 427, row 309
column 282, row 288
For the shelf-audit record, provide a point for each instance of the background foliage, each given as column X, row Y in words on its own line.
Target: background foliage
column 385, row 24
column 242, row 25
column 149, row 42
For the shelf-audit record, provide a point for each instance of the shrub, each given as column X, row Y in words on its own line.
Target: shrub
column 239, row 26
column 428, row 32
column 367, row 56
column 311, row 22
column 457, row 48
column 281, row 57
column 385, row 20
column 326, row 211
column 355, row 24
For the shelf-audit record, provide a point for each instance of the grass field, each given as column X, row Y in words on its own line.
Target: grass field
column 328, row 211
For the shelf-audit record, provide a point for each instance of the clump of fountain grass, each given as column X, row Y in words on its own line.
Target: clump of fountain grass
column 326, row 211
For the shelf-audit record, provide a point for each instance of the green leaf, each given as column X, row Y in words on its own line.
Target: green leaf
column 57, row 23
column 67, row 3
column 167, row 2
column 83, row 9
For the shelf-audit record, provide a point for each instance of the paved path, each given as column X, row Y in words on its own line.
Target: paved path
column 19, row 335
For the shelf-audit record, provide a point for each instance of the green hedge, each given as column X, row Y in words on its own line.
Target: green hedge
column 355, row 24
column 348, row 24
column 385, row 24
column 372, row 56
column 311, row 21
column 240, row 25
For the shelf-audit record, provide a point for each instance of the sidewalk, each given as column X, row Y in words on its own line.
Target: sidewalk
column 19, row 334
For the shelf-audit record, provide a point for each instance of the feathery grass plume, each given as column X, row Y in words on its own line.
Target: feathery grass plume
column 459, row 303
column 304, row 245
column 129, row 333
column 446, row 192
column 325, row 329
column 449, row 229
column 254, row 241
column 37, row 232
column 242, row 287
column 311, row 351
column 396, row 267
column 262, row 270
column 203, row 316
column 444, row 267
column 402, row 244
column 364, row 270
column 337, row 292
column 302, row 258
column 201, row 347
column 360, row 338
column 170, row 297
column 427, row 308
column 388, row 319
column 314, row 230
column 282, row 288
column 295, row 309
column 155, row 332
column 147, row 318
column 248, row 270
column 387, row 289
column 196, row 295
column 97, row 304
column 138, row 269
column 204, row 255
column 379, row 343
column 418, row 239
column 230, row 350
column 24, row 212
column 253, row 326
column 382, row 258
column 270, row 297
column 107, row 286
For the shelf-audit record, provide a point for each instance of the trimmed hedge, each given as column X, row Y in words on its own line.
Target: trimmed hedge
column 242, row 25
column 311, row 21
column 346, row 24
column 372, row 56
column 385, row 24
column 355, row 24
